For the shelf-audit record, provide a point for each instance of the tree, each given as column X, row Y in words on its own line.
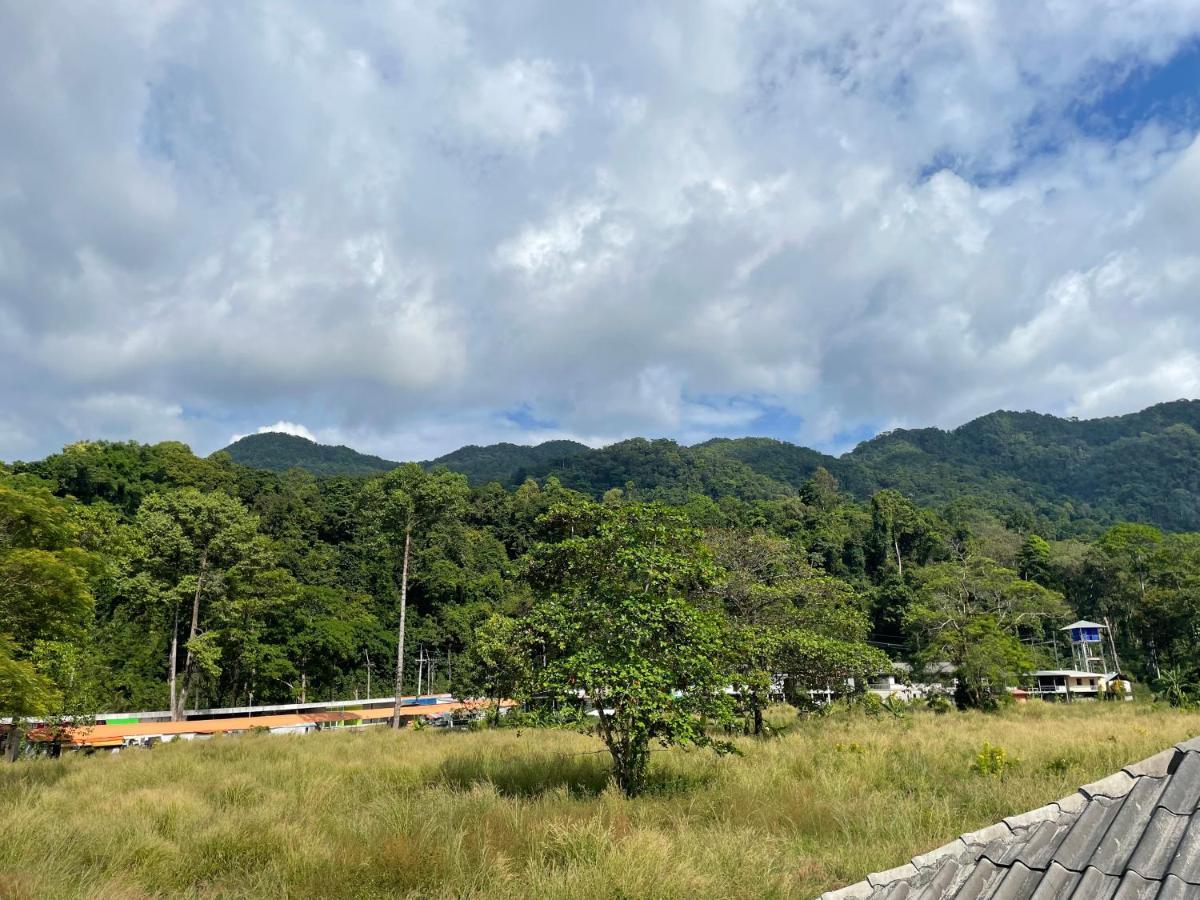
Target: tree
column 44, row 597
column 190, row 543
column 400, row 513
column 1124, row 562
column 615, row 617
column 497, row 663
column 775, row 600
column 1033, row 561
column 900, row 528
column 970, row 614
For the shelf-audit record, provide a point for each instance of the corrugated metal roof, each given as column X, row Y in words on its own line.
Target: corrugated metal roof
column 1135, row 834
column 114, row 735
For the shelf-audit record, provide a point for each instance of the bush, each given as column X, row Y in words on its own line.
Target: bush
column 940, row 704
column 993, row 761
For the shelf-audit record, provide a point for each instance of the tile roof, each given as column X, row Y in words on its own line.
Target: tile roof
column 1132, row 836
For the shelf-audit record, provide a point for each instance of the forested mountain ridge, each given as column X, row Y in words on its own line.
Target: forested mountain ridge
column 506, row 463
column 1144, row 466
column 274, row 585
column 278, row 452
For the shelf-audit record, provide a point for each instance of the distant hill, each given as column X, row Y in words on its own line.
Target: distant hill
column 1144, row 466
column 508, row 463
column 278, row 452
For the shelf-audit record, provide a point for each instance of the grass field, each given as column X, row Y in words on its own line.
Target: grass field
column 530, row 814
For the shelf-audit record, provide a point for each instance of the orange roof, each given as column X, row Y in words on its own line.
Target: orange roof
column 112, row 735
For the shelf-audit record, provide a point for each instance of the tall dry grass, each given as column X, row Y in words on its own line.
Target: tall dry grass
column 530, row 814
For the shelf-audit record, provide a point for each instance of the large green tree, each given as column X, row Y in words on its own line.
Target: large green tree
column 401, row 514
column 198, row 553
column 45, row 601
column 616, row 620
column 972, row 614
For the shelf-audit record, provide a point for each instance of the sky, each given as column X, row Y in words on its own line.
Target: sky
column 409, row 226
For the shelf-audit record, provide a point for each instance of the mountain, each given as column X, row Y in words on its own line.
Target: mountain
column 1144, row 466
column 278, row 452
column 507, row 463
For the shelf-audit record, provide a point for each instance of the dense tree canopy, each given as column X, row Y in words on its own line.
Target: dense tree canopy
column 743, row 565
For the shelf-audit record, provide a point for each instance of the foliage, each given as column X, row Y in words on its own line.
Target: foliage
column 812, row 557
column 46, row 601
column 1066, row 476
column 970, row 614
column 497, row 664
column 277, row 452
column 615, row 620
column 1176, row 688
column 993, row 761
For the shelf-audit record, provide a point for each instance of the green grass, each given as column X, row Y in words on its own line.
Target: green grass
column 530, row 814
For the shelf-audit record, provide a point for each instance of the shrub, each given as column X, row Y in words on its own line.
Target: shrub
column 993, row 761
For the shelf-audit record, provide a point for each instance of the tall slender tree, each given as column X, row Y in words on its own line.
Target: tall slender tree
column 401, row 514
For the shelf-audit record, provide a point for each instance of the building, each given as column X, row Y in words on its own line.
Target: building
column 114, row 732
column 1071, row 684
column 1132, row 836
column 899, row 684
column 1094, row 676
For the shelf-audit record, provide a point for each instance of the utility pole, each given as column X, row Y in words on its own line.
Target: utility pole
column 1113, row 644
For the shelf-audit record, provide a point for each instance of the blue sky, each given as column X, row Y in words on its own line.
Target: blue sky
column 406, row 226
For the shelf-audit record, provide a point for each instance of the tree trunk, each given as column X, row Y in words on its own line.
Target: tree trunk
column 758, row 718
column 13, row 740
column 188, row 670
column 174, row 659
column 899, row 561
column 400, row 636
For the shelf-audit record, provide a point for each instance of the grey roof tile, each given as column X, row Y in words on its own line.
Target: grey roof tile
column 1038, row 849
column 1019, row 883
column 1192, row 744
column 1183, row 792
column 1174, row 889
column 1159, row 843
column 1057, row 884
column 1095, row 885
column 856, row 891
column 979, row 884
column 1135, row 887
column 1125, row 833
column 1159, row 764
column 1034, row 816
column 1072, row 803
column 1115, row 785
column 944, row 882
column 877, row 879
column 1131, row 836
column 1186, row 863
column 953, row 850
column 985, row 836
column 1079, row 846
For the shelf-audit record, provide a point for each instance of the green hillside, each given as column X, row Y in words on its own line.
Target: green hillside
column 507, row 463
column 1143, row 466
column 277, row 452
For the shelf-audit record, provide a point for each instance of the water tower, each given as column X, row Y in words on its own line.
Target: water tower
column 1087, row 646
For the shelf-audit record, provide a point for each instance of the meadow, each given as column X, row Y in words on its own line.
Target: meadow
column 530, row 813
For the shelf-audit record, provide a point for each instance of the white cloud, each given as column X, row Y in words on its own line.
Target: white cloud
column 395, row 222
column 519, row 104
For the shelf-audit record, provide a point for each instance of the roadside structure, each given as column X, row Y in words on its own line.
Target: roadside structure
column 1096, row 671
column 116, row 732
column 1132, row 836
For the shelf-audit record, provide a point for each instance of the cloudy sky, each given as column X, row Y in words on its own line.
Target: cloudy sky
column 410, row 226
